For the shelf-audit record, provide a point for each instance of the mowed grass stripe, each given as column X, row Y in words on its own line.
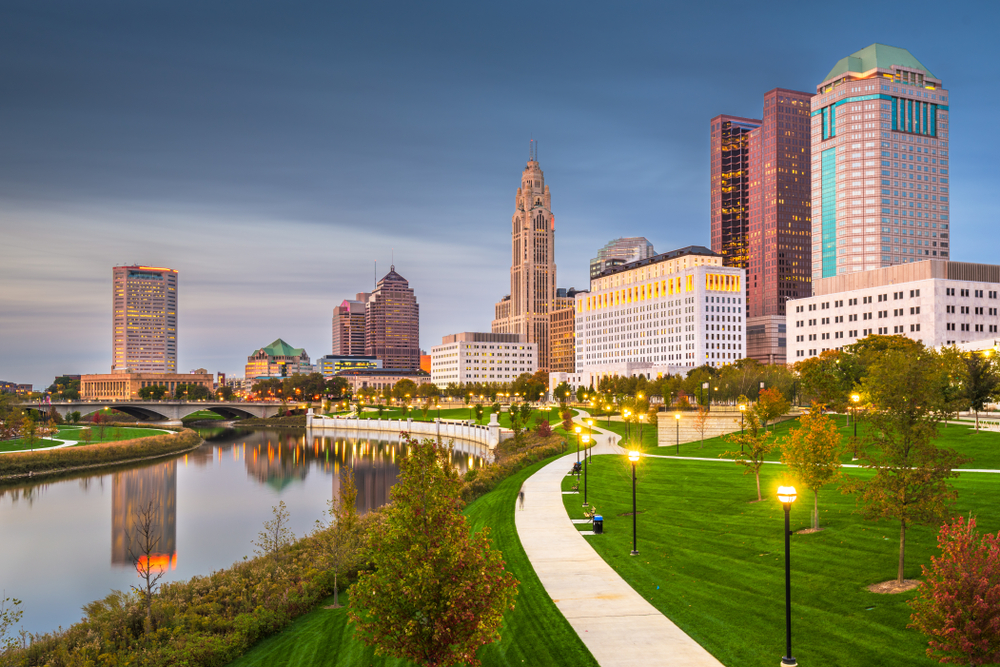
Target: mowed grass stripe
column 719, row 561
column 535, row 633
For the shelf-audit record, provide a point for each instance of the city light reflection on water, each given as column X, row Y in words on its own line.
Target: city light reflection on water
column 68, row 540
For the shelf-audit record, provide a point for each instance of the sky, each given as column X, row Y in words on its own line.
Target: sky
column 281, row 155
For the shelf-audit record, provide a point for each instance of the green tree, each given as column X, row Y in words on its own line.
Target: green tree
column 340, row 540
column 224, row 393
column 10, row 616
column 981, row 382
column 771, row 404
column 29, row 432
column 337, row 387
column 754, row 442
column 435, row 593
column 812, row 453
column 154, row 392
column 65, row 388
column 562, row 392
column 404, row 387
column 428, row 390
column 268, row 389
column 276, row 534
column 909, row 484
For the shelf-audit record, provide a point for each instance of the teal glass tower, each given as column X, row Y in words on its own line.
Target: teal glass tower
column 879, row 134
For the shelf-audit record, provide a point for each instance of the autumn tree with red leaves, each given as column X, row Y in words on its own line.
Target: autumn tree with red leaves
column 958, row 604
column 436, row 592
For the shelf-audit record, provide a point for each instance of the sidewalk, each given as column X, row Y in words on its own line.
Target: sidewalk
column 617, row 625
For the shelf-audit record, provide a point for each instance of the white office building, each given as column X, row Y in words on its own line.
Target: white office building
column 935, row 301
column 481, row 357
column 663, row 314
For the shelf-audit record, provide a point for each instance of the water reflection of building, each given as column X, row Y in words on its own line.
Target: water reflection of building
column 132, row 491
column 278, row 463
column 374, row 475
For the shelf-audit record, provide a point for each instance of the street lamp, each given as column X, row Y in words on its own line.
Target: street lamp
column 578, row 429
column 628, row 431
column 586, row 439
column 633, row 457
column 743, row 409
column 854, row 408
column 607, row 409
column 786, row 494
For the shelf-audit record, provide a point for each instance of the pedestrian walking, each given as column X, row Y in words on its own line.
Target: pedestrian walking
column 520, row 497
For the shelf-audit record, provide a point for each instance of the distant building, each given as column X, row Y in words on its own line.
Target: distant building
column 526, row 309
column 332, row 364
column 381, row 378
column 425, row 362
column 126, row 386
column 15, row 388
column 562, row 339
column 482, row 357
column 144, row 320
column 879, row 187
column 349, row 327
column 277, row 360
column 392, row 325
column 620, row 251
column 664, row 314
column 936, row 302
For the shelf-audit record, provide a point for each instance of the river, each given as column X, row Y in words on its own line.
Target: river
column 64, row 542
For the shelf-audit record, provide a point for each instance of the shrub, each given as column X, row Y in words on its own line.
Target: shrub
column 543, row 429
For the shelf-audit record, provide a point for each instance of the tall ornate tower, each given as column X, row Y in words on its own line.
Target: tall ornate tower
column 526, row 309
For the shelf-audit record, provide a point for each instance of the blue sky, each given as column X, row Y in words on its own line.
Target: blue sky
column 273, row 152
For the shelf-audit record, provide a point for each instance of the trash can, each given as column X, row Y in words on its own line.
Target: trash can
column 598, row 525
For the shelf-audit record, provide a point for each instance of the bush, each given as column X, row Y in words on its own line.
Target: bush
column 45, row 461
column 543, row 429
column 489, row 476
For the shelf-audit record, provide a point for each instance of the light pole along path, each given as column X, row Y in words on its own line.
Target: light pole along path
column 618, row 626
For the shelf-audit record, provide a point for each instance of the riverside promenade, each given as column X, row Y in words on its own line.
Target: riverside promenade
column 618, row 626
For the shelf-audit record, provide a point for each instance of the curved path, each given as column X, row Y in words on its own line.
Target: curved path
column 618, row 626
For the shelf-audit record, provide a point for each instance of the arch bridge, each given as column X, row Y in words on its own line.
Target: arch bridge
column 169, row 412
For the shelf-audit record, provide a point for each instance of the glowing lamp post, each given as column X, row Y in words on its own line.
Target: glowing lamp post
column 743, row 409
column 786, row 494
column 633, row 457
column 854, row 409
column 578, row 429
column 586, row 439
column 677, row 442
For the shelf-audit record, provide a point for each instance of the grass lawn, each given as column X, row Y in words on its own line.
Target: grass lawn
column 202, row 415
column 535, row 633
column 713, row 562
column 111, row 434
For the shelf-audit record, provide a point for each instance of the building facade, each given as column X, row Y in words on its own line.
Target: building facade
column 349, row 327
column 144, row 320
column 482, row 357
column 526, row 310
column 277, row 360
column 332, row 364
column 562, row 339
column 730, row 188
column 381, row 379
column 879, row 164
column 620, row 251
column 664, row 314
column 126, row 386
column 934, row 301
column 392, row 323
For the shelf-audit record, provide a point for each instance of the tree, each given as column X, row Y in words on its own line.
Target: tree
column 754, row 444
column 276, row 533
column 771, row 404
column 435, row 593
column 269, row 388
column 10, row 615
column 701, row 418
column 958, row 603
column 29, row 432
column 562, row 392
column 337, row 387
column 65, row 388
column 143, row 542
column 224, row 393
column 404, row 387
column 192, row 392
column 340, row 539
column 909, row 484
column 981, row 382
column 153, row 392
column 812, row 453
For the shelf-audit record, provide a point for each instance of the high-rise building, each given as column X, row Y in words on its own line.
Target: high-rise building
column 279, row 359
column 474, row 357
column 879, row 164
column 730, row 188
column 527, row 308
column 349, row 327
column 620, row 251
column 144, row 320
column 392, row 323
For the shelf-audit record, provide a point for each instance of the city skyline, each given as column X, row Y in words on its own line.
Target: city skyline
column 274, row 216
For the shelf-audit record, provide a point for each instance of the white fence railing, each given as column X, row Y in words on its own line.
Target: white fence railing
column 490, row 435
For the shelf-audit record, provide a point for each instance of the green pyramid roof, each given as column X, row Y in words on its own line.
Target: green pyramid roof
column 876, row 56
column 280, row 348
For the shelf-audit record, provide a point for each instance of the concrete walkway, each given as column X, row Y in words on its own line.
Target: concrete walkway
column 617, row 625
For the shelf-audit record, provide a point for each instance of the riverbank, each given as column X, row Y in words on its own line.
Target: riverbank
column 17, row 466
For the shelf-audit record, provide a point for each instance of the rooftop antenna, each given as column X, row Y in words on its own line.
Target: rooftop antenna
column 392, row 256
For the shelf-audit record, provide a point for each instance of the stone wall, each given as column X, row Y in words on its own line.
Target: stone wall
column 720, row 422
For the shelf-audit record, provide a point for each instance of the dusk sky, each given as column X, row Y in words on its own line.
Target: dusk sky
column 274, row 152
